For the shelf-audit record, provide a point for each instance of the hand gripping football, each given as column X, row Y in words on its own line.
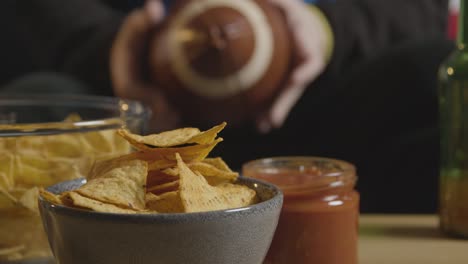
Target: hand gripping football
column 220, row 60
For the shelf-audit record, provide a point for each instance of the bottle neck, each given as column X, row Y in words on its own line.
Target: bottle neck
column 462, row 35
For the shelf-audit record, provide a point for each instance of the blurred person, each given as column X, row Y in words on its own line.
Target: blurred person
column 364, row 89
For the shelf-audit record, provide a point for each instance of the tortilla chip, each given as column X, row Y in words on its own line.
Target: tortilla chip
column 132, row 139
column 5, row 181
column 88, row 203
column 164, row 158
column 163, row 188
column 168, row 202
column 158, row 178
column 208, row 136
column 29, row 199
column 99, row 141
column 50, row 197
column 6, row 170
column 27, row 175
column 172, row 138
column 165, row 139
column 65, row 199
column 212, row 174
column 7, row 200
column 101, row 167
column 210, row 171
column 218, row 162
column 11, row 250
column 124, row 185
column 34, row 160
column 195, row 193
column 157, row 158
column 32, row 169
column 66, row 145
column 198, row 196
column 174, row 172
column 237, row 195
column 215, row 181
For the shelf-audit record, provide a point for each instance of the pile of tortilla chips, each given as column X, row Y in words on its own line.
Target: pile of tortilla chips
column 30, row 162
column 168, row 173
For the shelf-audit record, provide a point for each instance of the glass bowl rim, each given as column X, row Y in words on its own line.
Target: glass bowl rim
column 129, row 109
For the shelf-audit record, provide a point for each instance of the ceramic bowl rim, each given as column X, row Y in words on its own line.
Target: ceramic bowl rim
column 276, row 199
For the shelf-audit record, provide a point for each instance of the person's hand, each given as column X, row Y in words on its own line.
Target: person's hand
column 127, row 62
column 313, row 42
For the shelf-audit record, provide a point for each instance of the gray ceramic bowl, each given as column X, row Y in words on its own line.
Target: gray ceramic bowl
column 237, row 236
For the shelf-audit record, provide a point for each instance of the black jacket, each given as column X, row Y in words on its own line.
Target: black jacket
column 364, row 28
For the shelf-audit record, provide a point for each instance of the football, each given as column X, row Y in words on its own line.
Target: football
column 220, row 60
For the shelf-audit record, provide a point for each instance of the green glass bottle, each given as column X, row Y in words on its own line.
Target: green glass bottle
column 453, row 116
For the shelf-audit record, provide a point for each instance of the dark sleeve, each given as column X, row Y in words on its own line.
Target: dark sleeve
column 363, row 28
column 67, row 36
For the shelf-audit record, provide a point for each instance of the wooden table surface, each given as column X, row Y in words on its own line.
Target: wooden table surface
column 407, row 239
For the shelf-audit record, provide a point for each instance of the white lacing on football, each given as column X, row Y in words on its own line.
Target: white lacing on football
column 245, row 77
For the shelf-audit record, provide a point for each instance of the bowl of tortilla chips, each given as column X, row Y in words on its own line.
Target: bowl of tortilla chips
column 46, row 139
column 168, row 201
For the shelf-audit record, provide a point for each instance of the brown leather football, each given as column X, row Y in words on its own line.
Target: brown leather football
column 220, row 60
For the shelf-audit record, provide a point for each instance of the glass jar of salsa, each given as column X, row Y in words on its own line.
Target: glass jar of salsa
column 319, row 219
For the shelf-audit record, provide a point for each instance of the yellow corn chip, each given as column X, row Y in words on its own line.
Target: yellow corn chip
column 218, row 162
column 172, row 138
column 165, row 203
column 99, row 141
column 5, row 181
column 157, row 158
column 132, row 139
column 198, row 196
column 66, row 200
column 51, row 197
column 29, row 199
column 237, row 195
column 207, row 136
column 7, row 200
column 33, row 170
column 123, row 185
column 84, row 202
column 6, row 170
column 165, row 139
column 195, row 193
column 34, row 160
column 165, row 157
column 213, row 174
column 209, row 170
column 101, row 167
column 26, row 144
column 158, row 178
column 67, row 145
column 11, row 250
column 163, row 188
column 174, row 171
column 27, row 175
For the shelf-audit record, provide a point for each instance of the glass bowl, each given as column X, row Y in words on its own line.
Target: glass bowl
column 46, row 139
